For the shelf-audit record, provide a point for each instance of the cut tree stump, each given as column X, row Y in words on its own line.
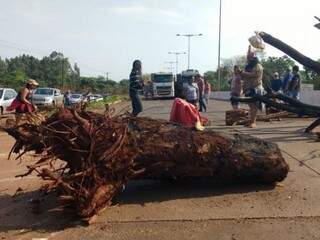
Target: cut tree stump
column 102, row 153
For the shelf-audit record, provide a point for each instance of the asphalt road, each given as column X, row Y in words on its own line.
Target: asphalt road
column 164, row 210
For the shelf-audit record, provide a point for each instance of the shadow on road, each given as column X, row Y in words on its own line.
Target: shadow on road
column 20, row 215
column 32, row 211
column 146, row 191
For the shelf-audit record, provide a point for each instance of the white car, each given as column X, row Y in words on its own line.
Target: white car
column 76, row 98
column 47, row 97
column 7, row 95
column 95, row 98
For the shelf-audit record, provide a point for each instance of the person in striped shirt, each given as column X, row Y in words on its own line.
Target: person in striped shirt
column 135, row 85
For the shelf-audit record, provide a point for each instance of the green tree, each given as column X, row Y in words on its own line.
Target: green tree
column 275, row 64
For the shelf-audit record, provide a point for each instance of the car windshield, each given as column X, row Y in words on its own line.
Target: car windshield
column 163, row 78
column 76, row 95
column 43, row 91
column 1, row 93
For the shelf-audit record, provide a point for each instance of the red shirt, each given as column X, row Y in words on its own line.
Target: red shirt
column 200, row 83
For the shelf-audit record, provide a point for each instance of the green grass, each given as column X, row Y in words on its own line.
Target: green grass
column 100, row 105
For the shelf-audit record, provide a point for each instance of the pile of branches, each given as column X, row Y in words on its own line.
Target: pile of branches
column 88, row 157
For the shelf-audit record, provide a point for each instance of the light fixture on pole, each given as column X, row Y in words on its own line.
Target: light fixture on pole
column 318, row 24
column 177, row 58
column 171, row 63
column 189, row 36
column 219, row 48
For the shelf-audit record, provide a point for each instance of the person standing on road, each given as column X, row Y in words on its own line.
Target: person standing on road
column 66, row 99
column 236, row 87
column 252, row 85
column 200, row 83
column 135, row 85
column 21, row 103
column 286, row 80
column 207, row 90
column 276, row 83
column 191, row 92
column 295, row 83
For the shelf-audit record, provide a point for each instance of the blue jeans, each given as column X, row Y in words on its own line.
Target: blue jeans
column 202, row 104
column 136, row 102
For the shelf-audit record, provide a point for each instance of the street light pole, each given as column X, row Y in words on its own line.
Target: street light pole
column 177, row 58
column 189, row 36
column 107, row 73
column 171, row 63
column 219, row 48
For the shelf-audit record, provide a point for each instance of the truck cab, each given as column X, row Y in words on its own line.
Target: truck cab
column 162, row 85
column 182, row 81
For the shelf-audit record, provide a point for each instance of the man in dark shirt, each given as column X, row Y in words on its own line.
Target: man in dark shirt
column 295, row 83
column 276, row 82
column 134, row 86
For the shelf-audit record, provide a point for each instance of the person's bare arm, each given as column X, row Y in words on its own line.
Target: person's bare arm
column 254, row 74
column 23, row 96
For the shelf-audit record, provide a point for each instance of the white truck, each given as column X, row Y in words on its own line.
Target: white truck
column 162, row 85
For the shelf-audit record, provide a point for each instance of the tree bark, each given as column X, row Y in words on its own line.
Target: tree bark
column 103, row 153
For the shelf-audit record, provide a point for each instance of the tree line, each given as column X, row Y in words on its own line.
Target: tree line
column 55, row 71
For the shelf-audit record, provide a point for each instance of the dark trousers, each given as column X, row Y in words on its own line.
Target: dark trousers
column 136, row 103
column 202, row 104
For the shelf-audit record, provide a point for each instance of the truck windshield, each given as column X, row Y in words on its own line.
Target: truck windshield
column 185, row 79
column 163, row 78
column 43, row 91
column 1, row 93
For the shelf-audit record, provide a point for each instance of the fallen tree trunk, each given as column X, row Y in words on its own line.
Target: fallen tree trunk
column 102, row 153
column 302, row 59
column 288, row 104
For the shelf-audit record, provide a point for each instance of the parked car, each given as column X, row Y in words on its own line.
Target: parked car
column 94, row 97
column 7, row 95
column 76, row 98
column 97, row 97
column 47, row 97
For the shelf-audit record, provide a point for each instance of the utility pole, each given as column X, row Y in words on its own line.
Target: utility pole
column 62, row 78
column 189, row 36
column 107, row 78
column 177, row 58
column 219, row 48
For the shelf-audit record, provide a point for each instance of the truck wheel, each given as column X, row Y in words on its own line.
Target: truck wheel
column 1, row 110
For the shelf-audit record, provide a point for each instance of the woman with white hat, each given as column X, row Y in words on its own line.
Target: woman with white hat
column 21, row 104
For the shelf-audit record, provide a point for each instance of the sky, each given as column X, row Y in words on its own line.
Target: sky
column 108, row 35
